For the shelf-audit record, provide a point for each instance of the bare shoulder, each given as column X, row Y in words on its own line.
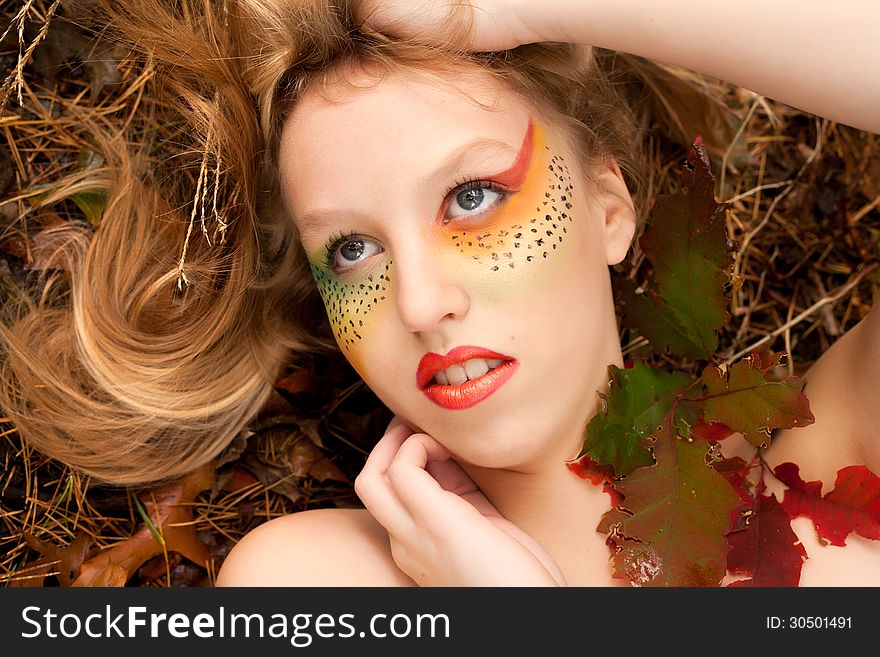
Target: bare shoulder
column 843, row 387
column 323, row 547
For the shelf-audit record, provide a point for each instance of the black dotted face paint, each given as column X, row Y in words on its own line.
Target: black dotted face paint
column 530, row 225
column 349, row 304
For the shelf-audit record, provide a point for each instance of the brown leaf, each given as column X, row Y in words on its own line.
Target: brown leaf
column 39, row 249
column 277, row 478
column 307, row 460
column 169, row 512
column 234, row 479
column 112, row 575
column 66, row 559
column 7, row 170
column 297, row 382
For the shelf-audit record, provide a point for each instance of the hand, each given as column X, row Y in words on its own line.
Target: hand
column 443, row 530
column 494, row 24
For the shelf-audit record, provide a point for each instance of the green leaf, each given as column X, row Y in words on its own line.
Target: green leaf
column 670, row 528
column 92, row 204
column 647, row 311
column 688, row 249
column 746, row 400
column 637, row 400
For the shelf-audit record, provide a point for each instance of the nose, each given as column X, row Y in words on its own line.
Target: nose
column 427, row 292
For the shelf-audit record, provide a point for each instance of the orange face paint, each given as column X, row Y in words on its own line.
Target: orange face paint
column 531, row 224
column 513, row 178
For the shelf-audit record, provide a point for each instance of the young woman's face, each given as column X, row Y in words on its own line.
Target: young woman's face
column 461, row 251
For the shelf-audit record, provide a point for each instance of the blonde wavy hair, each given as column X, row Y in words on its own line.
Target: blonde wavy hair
column 194, row 292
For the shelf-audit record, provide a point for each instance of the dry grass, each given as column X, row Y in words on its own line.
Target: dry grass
column 804, row 198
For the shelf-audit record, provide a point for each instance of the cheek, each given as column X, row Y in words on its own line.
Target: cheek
column 528, row 239
column 354, row 309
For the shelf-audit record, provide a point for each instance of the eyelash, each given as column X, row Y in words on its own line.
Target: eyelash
column 332, row 245
column 469, row 183
column 460, row 186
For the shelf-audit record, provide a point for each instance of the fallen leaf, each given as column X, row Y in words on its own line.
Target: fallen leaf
column 307, row 460
column 65, row 559
column 169, row 512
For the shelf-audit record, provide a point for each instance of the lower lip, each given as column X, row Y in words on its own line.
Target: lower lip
column 471, row 392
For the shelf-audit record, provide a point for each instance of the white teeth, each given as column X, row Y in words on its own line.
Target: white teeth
column 476, row 367
column 455, row 375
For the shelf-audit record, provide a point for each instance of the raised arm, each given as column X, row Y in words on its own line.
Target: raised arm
column 821, row 57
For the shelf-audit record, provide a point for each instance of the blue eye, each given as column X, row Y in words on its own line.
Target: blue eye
column 472, row 199
column 349, row 250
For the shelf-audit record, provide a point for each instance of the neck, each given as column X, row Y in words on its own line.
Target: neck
column 555, row 507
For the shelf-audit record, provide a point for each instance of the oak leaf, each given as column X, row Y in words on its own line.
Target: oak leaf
column 852, row 506
column 744, row 399
column 638, row 398
column 766, row 549
column 688, row 249
column 170, row 522
column 670, row 528
column 62, row 561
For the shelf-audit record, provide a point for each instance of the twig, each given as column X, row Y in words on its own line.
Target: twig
column 828, row 299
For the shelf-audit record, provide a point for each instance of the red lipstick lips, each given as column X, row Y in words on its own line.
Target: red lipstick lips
column 469, row 393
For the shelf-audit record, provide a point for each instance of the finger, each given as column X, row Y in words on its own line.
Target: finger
column 422, row 495
column 383, row 452
column 451, row 476
column 396, row 421
column 372, row 485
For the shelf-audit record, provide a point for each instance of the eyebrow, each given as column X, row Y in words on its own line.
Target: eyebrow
column 317, row 220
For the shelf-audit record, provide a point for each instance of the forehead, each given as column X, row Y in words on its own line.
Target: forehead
column 405, row 122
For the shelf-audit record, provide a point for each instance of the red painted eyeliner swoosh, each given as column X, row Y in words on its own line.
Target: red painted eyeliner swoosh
column 470, row 392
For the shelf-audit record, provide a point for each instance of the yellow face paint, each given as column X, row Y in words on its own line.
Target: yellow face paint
column 527, row 229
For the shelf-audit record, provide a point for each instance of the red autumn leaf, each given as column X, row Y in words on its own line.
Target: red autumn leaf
column 587, row 468
column 852, row 506
column 747, row 400
column 767, row 549
column 711, row 430
column 736, row 471
column 670, row 527
column 597, row 474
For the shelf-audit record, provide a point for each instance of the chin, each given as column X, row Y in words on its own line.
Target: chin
column 509, row 444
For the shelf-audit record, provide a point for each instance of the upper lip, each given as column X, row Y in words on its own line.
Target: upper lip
column 432, row 363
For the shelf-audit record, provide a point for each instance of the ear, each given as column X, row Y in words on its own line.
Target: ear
column 620, row 219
